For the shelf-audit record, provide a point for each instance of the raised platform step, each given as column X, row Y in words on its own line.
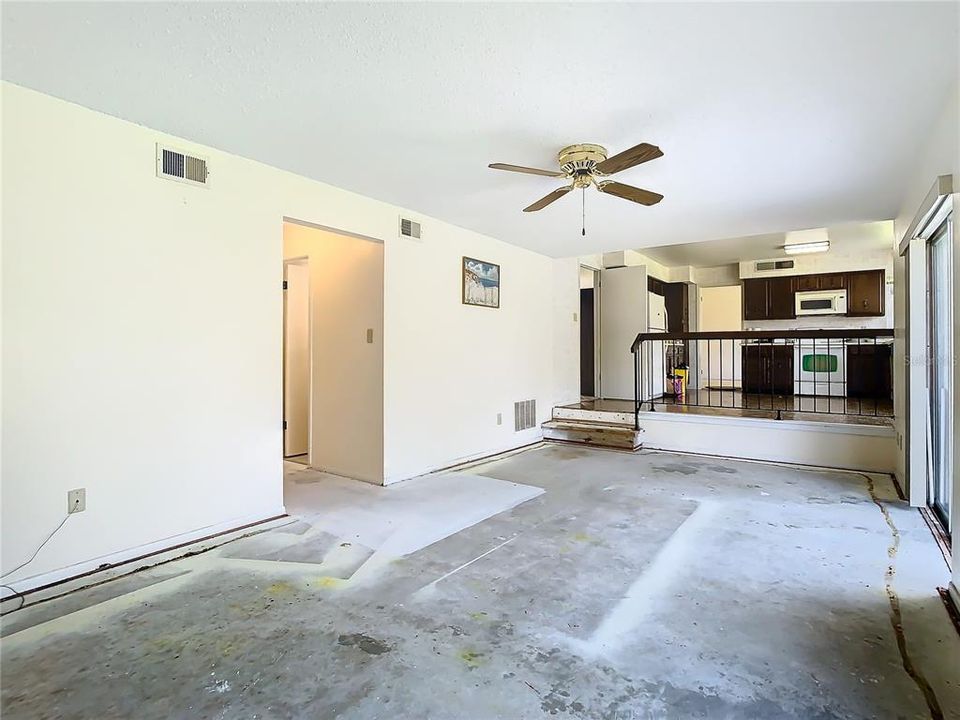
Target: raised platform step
column 598, row 434
column 608, row 416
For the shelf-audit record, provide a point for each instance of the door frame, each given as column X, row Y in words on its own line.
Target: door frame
column 942, row 230
column 597, row 351
column 300, row 260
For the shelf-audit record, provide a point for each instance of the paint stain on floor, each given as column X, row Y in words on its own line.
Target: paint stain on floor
column 369, row 645
column 678, row 468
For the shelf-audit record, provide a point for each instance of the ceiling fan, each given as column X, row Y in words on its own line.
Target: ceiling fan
column 585, row 164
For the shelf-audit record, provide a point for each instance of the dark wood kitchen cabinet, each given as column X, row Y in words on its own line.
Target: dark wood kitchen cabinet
column 807, row 283
column 832, row 282
column 868, row 371
column 769, row 298
column 755, row 299
column 782, row 306
column 865, row 293
column 767, row 369
column 677, row 302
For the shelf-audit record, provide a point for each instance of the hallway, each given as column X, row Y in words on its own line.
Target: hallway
column 559, row 581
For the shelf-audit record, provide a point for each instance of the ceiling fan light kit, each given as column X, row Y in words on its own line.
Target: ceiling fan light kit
column 585, row 164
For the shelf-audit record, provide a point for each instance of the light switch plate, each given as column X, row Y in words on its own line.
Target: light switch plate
column 499, row 418
column 76, row 500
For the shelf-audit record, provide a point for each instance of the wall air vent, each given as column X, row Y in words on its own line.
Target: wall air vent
column 177, row 165
column 524, row 415
column 409, row 228
column 773, row 265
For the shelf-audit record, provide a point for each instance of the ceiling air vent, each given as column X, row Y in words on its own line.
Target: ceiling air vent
column 773, row 265
column 524, row 415
column 176, row 165
column 409, row 228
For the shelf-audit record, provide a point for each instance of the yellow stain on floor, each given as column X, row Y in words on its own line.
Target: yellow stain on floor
column 471, row 658
column 326, row 581
column 478, row 616
column 281, row 587
column 582, row 537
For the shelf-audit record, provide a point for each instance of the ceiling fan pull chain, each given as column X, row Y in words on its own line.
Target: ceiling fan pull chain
column 583, row 214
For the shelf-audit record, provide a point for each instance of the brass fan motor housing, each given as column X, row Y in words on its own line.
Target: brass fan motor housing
column 580, row 161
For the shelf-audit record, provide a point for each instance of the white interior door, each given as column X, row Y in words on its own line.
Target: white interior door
column 720, row 310
column 296, row 358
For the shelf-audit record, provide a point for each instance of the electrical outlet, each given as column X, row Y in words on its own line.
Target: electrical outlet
column 574, row 317
column 499, row 418
column 370, row 336
column 76, row 500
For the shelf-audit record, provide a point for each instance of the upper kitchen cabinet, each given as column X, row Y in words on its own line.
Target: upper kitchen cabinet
column 832, row 282
column 806, row 283
column 755, row 306
column 768, row 298
column 782, row 306
column 865, row 293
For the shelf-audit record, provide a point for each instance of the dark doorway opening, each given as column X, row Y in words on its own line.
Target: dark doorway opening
column 587, row 350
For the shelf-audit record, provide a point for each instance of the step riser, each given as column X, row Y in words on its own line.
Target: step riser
column 612, row 418
column 597, row 437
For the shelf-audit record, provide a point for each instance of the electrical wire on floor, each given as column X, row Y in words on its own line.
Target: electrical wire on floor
column 36, row 552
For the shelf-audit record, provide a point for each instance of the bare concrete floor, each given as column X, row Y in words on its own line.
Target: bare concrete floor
column 559, row 582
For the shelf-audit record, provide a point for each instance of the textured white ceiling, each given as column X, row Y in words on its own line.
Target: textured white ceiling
column 867, row 240
column 771, row 116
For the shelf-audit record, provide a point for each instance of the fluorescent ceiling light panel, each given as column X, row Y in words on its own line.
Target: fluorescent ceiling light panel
column 817, row 246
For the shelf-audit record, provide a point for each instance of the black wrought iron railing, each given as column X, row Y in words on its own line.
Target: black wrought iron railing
column 768, row 373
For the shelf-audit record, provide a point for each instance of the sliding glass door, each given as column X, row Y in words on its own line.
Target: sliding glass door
column 940, row 442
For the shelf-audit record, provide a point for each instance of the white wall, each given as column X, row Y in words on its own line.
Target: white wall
column 940, row 155
column 717, row 276
column 854, row 447
column 451, row 368
column 846, row 254
column 586, row 278
column 146, row 366
column 346, row 289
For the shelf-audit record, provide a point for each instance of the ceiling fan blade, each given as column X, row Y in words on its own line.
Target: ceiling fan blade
column 544, row 201
column 641, row 153
column 528, row 170
column 629, row 192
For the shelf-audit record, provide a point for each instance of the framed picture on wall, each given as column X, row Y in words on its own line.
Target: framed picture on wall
column 481, row 283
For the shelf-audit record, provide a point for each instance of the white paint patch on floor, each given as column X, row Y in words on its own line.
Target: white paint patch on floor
column 654, row 582
column 399, row 519
column 403, row 518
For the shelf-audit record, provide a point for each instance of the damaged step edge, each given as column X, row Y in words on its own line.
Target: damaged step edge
column 621, row 437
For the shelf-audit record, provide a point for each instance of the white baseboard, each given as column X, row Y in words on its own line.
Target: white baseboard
column 98, row 569
column 491, row 454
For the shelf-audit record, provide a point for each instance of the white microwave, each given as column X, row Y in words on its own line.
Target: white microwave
column 821, row 302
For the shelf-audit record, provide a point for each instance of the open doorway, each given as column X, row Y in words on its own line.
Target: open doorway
column 589, row 335
column 332, row 355
column 296, row 360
